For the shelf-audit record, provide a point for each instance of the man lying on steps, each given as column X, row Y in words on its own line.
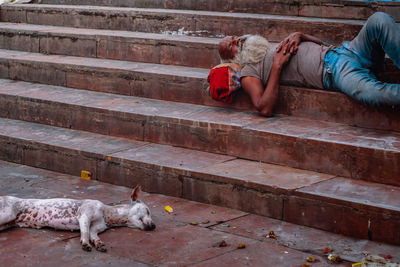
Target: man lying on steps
column 304, row 60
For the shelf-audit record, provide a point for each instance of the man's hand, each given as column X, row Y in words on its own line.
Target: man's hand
column 291, row 43
column 281, row 58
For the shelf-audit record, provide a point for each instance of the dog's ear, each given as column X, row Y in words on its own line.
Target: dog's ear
column 136, row 192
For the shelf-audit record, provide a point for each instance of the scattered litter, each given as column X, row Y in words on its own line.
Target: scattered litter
column 388, row 256
column 286, row 252
column 249, row 231
column 86, row 175
column 234, row 227
column 224, row 225
column 205, row 222
column 108, row 158
column 182, row 31
column 377, row 261
column 181, row 224
column 224, row 237
column 194, row 223
column 213, row 212
column 241, row 245
column 326, row 250
column 376, row 258
column 310, row 259
column 357, row 264
column 334, row 258
column 305, row 265
column 169, row 209
column 271, row 234
column 220, row 244
column 231, row 11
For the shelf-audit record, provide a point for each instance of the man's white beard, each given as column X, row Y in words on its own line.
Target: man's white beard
column 253, row 50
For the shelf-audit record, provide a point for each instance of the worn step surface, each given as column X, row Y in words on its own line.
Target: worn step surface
column 198, row 23
column 340, row 205
column 219, row 177
column 173, row 233
column 183, row 84
column 322, row 8
column 359, row 153
column 122, row 45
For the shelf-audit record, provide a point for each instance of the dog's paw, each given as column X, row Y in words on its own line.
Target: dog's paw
column 101, row 247
column 86, row 247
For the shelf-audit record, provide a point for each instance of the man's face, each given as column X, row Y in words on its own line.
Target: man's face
column 229, row 47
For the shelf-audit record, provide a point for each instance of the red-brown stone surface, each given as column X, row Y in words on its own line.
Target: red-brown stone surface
column 175, row 242
column 183, row 84
column 200, row 23
column 323, row 9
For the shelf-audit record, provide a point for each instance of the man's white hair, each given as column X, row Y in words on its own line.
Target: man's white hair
column 253, row 50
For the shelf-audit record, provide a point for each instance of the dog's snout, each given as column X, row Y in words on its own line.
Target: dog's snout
column 150, row 227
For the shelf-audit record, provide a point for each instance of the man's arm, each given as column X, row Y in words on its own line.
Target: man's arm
column 264, row 100
column 291, row 43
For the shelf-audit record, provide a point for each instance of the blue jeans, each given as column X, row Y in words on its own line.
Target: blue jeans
column 348, row 68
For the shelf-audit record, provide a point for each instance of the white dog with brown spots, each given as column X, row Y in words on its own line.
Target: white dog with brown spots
column 89, row 216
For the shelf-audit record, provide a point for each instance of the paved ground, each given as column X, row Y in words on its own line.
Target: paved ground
column 175, row 242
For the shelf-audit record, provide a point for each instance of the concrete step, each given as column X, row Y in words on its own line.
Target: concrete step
column 180, row 50
column 122, row 45
column 292, row 246
column 336, row 204
column 359, row 153
column 348, row 9
column 187, row 22
column 183, row 84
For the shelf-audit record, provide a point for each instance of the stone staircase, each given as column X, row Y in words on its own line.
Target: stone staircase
column 118, row 90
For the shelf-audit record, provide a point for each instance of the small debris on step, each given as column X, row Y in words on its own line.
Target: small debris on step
column 168, row 209
column 334, row 258
column 241, row 246
column 376, row 259
column 220, row 244
column 271, row 234
column 86, row 175
column 310, row 259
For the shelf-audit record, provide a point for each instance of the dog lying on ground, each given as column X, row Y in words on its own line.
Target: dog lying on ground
column 89, row 216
